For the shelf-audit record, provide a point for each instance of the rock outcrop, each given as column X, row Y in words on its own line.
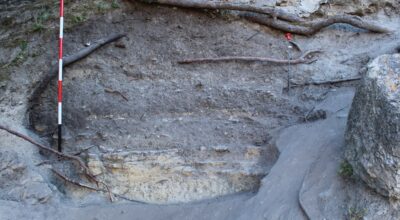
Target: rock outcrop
column 373, row 129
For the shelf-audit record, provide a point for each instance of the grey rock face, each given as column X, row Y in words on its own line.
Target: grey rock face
column 18, row 183
column 373, row 129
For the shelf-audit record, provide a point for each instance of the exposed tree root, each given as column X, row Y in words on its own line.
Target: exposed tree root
column 305, row 58
column 84, row 150
column 62, row 176
column 225, row 5
column 66, row 179
column 44, row 82
column 274, row 17
column 311, row 27
column 43, row 163
column 107, row 190
column 78, row 160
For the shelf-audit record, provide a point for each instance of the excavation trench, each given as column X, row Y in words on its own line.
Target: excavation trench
column 161, row 132
column 164, row 145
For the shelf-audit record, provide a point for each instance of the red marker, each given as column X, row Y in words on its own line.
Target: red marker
column 289, row 36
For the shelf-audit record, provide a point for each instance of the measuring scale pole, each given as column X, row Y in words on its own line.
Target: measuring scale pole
column 60, row 74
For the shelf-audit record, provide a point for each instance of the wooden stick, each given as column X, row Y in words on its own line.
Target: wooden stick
column 43, row 162
column 311, row 27
column 329, row 82
column 116, row 92
column 86, row 149
column 304, row 58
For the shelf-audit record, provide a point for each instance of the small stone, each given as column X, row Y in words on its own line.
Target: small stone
column 315, row 115
column 252, row 152
column 40, row 128
column 199, row 86
column 120, row 45
column 202, row 148
column 221, row 149
column 96, row 167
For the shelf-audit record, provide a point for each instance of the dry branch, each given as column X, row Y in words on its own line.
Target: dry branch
column 304, row 58
column 83, row 150
column 43, row 162
column 329, row 82
column 43, row 83
column 66, row 179
column 79, row 161
column 108, row 90
column 225, row 5
column 311, row 27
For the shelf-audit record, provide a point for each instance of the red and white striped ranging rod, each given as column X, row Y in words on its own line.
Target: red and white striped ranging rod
column 60, row 73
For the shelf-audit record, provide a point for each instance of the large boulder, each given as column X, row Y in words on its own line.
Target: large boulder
column 373, row 128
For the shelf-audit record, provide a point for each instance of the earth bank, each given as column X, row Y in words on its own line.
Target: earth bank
column 222, row 120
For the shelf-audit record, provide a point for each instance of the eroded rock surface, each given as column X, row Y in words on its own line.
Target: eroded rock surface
column 174, row 175
column 18, row 183
column 373, row 132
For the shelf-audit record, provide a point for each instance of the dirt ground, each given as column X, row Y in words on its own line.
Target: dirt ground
column 205, row 139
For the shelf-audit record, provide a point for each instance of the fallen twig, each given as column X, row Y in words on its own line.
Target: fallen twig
column 86, row 149
column 79, row 161
column 116, row 92
column 304, row 58
column 43, row 83
column 295, row 45
column 43, row 162
column 329, row 82
column 311, row 27
column 253, row 35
